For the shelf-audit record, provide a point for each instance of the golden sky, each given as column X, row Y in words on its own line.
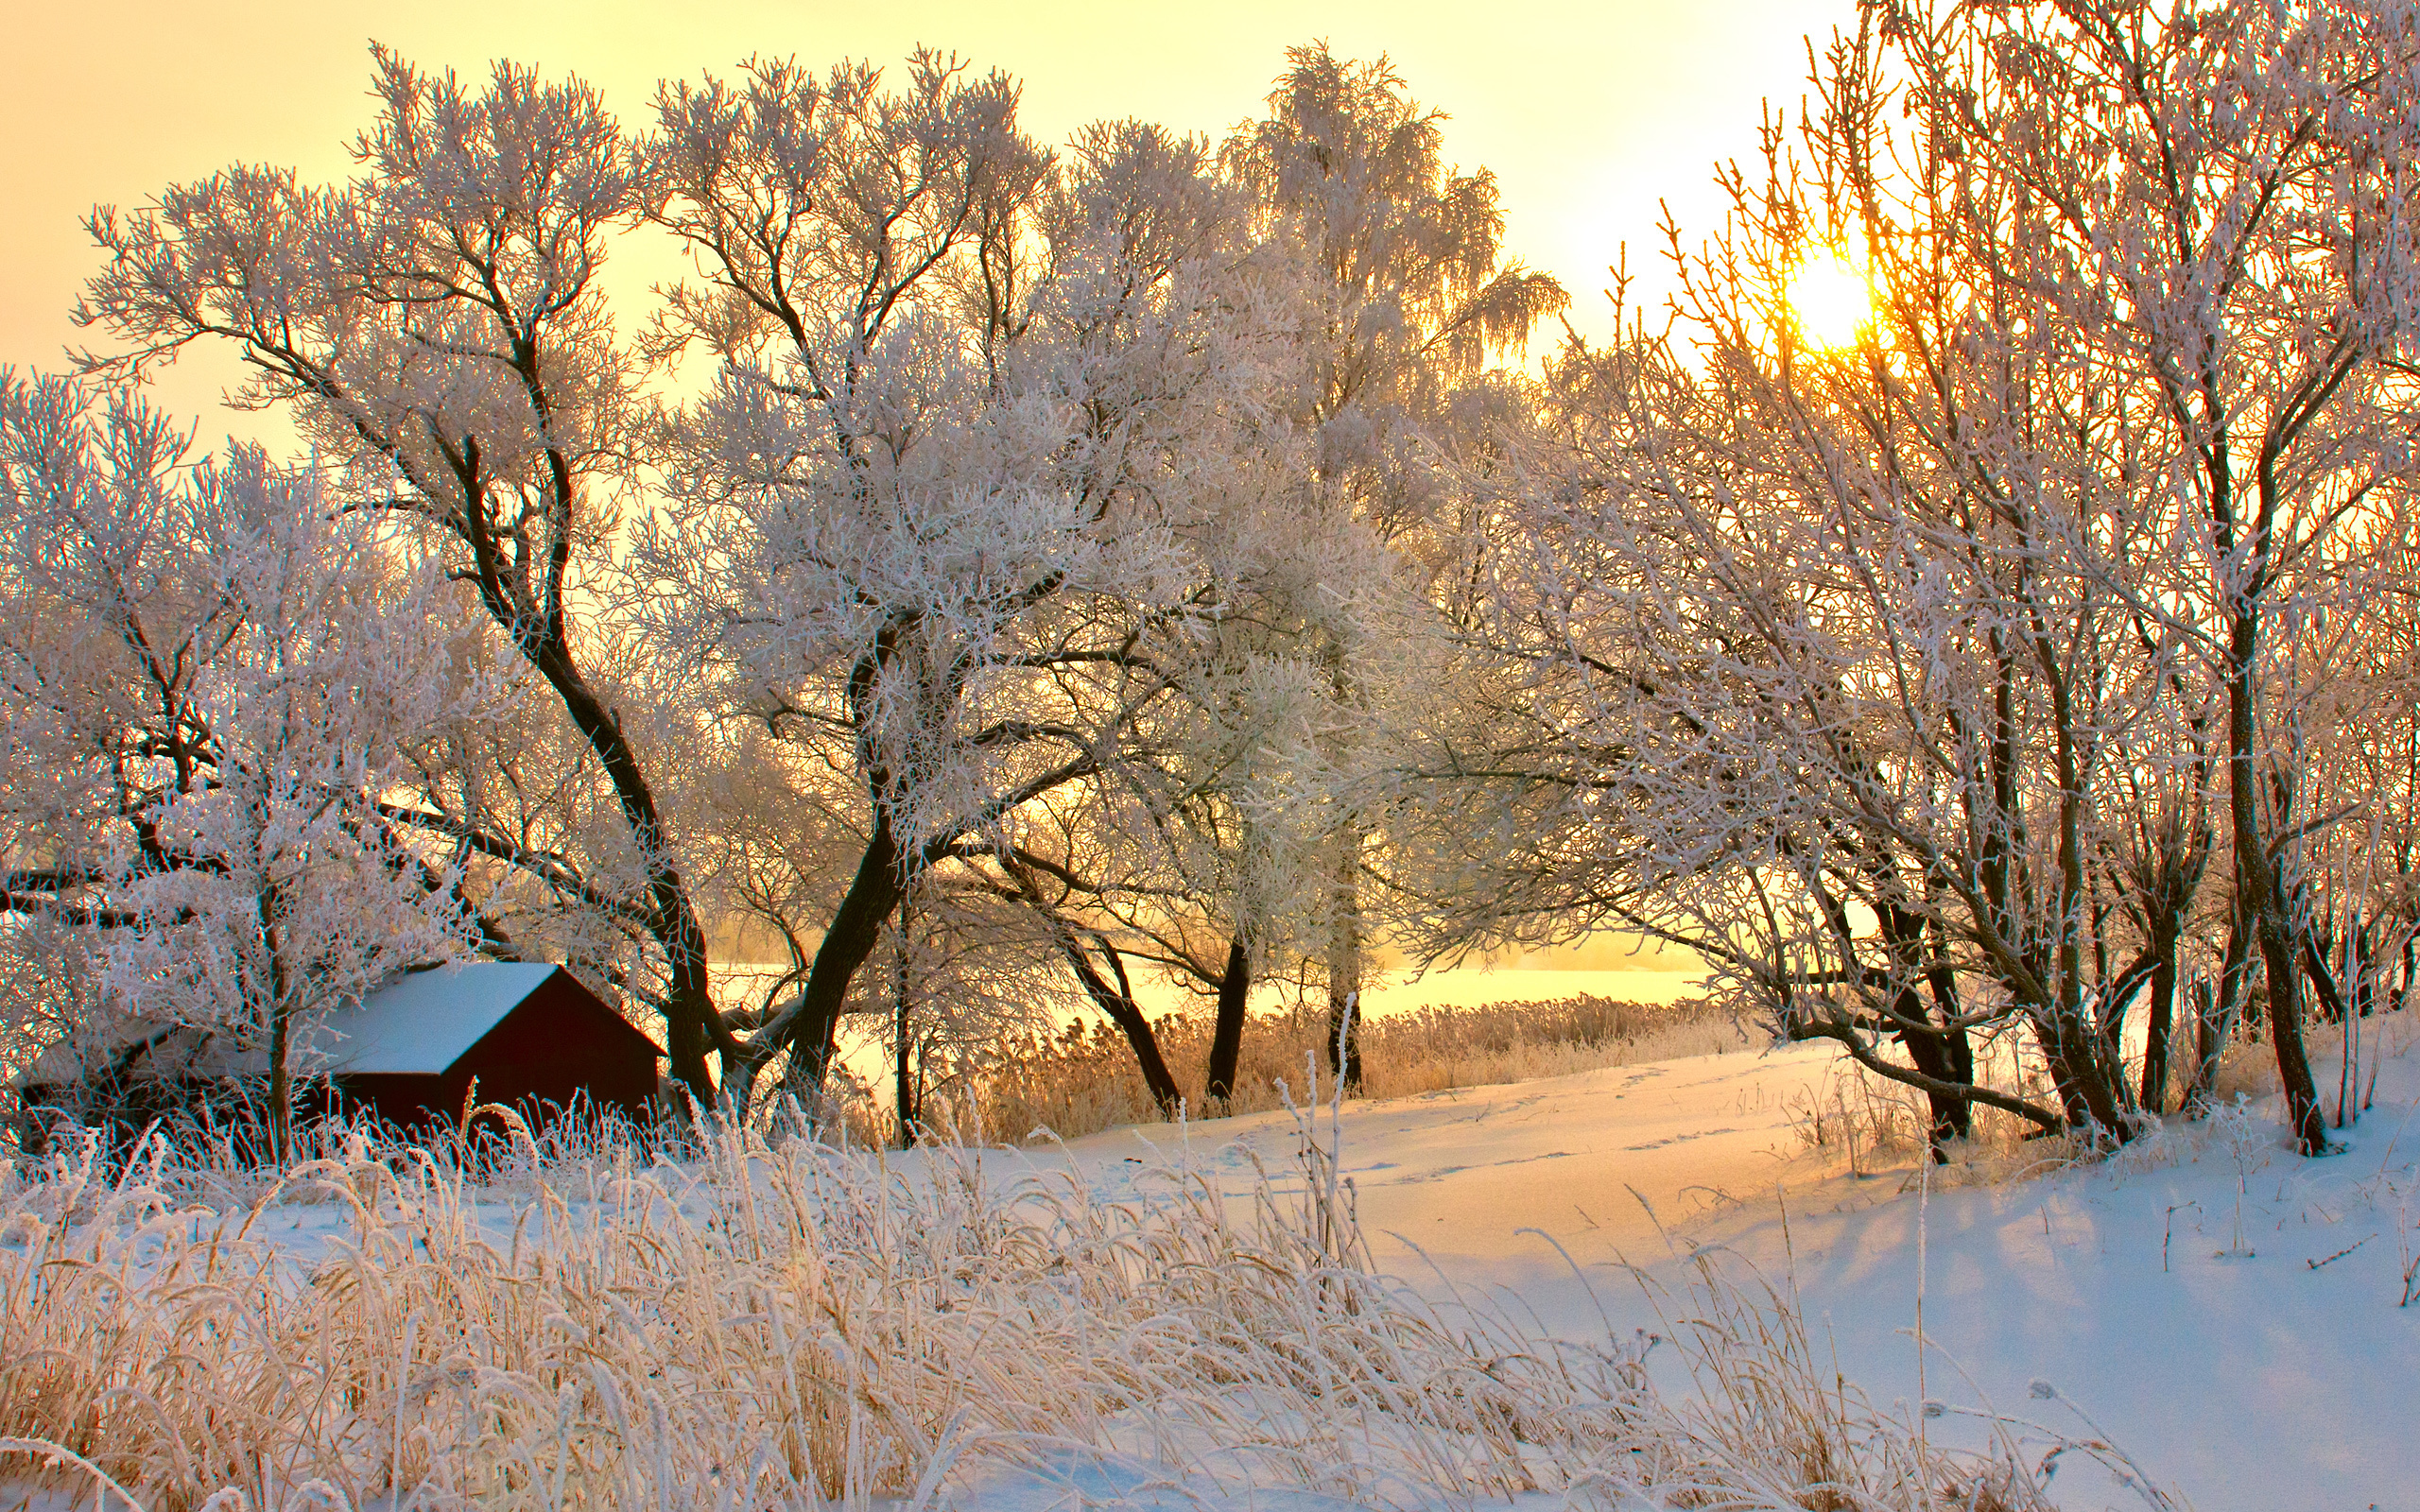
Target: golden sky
column 1589, row 113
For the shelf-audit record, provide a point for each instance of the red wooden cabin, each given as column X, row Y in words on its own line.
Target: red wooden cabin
column 530, row 1035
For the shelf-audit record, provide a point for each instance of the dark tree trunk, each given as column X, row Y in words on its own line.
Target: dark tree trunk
column 2365, row 972
column 1960, row 1049
column 2071, row 1101
column 670, row 921
column 813, row 1027
column 2284, row 979
column 1954, row 1042
column 1344, row 952
column 1952, row 1116
column 2208, row 1040
column 2080, row 1069
column 2215, row 1012
column 1227, row 1033
column 2163, row 1016
column 270, row 906
column 2255, row 869
column 1344, row 1037
column 1117, row 1002
column 903, row 1083
column 2322, row 983
column 2084, row 1059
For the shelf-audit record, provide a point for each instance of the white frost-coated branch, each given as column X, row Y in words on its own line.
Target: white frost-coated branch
column 211, row 673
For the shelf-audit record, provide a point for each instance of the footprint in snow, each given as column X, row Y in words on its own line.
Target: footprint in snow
column 1444, row 1171
column 1679, row 1139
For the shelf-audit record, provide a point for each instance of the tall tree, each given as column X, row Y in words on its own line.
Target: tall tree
column 438, row 323
column 1409, row 296
column 930, row 522
column 2231, row 189
column 209, row 676
column 1896, row 668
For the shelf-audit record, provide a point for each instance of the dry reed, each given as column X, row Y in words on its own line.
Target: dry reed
column 1084, row 1080
column 777, row 1323
column 1878, row 1126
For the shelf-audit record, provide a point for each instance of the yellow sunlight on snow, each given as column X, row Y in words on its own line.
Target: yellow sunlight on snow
column 1831, row 301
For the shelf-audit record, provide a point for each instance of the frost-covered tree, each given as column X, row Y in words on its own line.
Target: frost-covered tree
column 1407, row 297
column 1199, row 861
column 1011, row 407
column 2230, row 191
column 929, row 525
column 962, row 964
column 436, row 325
column 1903, row 679
column 208, row 673
column 2349, row 744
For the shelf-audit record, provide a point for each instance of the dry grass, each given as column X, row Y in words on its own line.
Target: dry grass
column 1084, row 1080
column 2248, row 1068
column 778, row 1324
column 1815, row 1441
column 1875, row 1126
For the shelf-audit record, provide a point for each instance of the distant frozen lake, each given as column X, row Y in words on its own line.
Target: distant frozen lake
column 1464, row 987
column 1471, row 985
column 1391, row 993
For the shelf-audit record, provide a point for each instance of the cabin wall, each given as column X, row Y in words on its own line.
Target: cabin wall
column 405, row 1101
column 559, row 1043
column 559, row 1046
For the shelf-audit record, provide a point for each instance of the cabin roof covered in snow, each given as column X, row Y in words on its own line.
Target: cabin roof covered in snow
column 426, row 1021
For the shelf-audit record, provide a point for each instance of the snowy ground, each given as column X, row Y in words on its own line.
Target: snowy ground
column 2279, row 1372
column 2231, row 1315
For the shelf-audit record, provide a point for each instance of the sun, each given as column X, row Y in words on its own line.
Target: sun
column 1831, row 300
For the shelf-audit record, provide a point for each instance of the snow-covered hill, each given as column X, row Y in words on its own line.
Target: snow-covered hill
column 2279, row 1372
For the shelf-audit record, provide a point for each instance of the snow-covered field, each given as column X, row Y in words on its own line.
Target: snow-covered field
column 2276, row 1370
column 2229, row 1316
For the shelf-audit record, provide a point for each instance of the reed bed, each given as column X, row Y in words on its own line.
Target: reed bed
column 1083, row 1080
column 771, row 1322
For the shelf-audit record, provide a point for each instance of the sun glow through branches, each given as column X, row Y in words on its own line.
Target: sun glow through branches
column 1831, row 301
